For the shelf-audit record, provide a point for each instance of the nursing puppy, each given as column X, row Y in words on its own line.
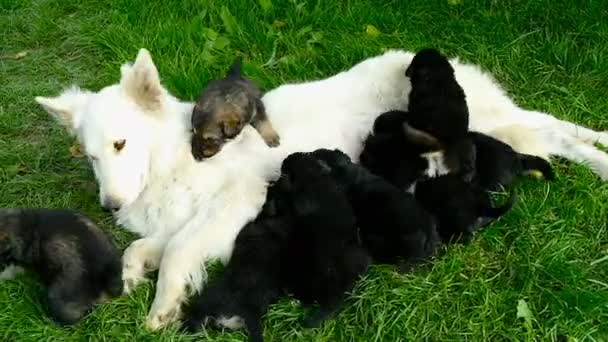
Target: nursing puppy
column 394, row 228
column 437, row 107
column 74, row 258
column 437, row 103
column 498, row 164
column 324, row 252
column 224, row 107
column 389, row 152
column 460, row 207
column 252, row 279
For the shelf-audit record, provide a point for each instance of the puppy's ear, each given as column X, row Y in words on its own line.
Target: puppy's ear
column 141, row 82
column 67, row 107
column 420, row 138
column 235, row 68
column 408, row 71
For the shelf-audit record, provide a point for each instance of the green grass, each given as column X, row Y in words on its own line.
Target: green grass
column 551, row 55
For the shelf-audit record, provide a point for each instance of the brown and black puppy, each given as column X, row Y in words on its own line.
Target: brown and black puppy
column 224, row 107
column 74, row 258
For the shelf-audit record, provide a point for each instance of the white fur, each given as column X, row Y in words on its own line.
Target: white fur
column 188, row 213
column 437, row 165
column 10, row 272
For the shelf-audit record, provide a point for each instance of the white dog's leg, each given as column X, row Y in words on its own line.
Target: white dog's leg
column 585, row 134
column 141, row 257
column 565, row 145
column 10, row 272
column 182, row 268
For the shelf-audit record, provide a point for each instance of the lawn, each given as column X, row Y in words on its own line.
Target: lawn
column 548, row 256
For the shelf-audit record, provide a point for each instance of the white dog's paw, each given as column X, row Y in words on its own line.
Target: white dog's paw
column 130, row 283
column 132, row 276
column 158, row 319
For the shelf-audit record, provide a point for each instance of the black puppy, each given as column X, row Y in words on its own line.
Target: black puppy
column 438, row 109
column 497, row 164
column 460, row 207
column 324, row 253
column 74, row 258
column 437, row 103
column 389, row 152
column 394, row 228
column 252, row 279
column 303, row 242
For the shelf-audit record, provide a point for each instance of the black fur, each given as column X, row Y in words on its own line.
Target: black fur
column 437, row 103
column 304, row 242
column 324, row 252
column 497, row 164
column 77, row 262
column 252, row 279
column 460, row 207
column 388, row 152
column 394, row 228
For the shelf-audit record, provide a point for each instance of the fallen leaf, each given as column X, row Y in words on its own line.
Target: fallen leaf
column 265, row 4
column 229, row 21
column 221, row 43
column 523, row 311
column 75, row 151
column 372, row 31
column 21, row 55
column 279, row 23
column 455, row 2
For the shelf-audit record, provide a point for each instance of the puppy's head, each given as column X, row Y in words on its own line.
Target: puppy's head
column 9, row 233
column 389, row 122
column 332, row 158
column 428, row 65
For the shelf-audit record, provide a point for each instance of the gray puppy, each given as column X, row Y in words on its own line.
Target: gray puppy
column 77, row 262
column 224, row 107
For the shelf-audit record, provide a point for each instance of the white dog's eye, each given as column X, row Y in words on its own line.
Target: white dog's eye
column 119, row 144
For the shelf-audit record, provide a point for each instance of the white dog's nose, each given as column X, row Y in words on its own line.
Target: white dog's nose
column 111, row 203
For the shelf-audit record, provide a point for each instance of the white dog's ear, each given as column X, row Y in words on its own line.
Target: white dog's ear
column 141, row 82
column 65, row 108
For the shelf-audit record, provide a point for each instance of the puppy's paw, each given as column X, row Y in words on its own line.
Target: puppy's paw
column 270, row 136
column 272, row 140
column 158, row 319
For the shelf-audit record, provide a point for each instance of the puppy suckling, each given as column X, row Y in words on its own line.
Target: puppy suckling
column 252, row 279
column 388, row 152
column 224, row 107
column 497, row 164
column 394, row 228
column 437, row 103
column 324, row 251
column 460, row 207
column 304, row 242
column 77, row 262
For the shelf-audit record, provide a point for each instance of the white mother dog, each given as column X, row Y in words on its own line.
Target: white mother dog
column 137, row 138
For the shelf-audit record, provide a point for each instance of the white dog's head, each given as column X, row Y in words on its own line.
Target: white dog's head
column 116, row 128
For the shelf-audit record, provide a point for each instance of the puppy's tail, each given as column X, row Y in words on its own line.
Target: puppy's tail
column 490, row 214
column 534, row 165
column 235, row 69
